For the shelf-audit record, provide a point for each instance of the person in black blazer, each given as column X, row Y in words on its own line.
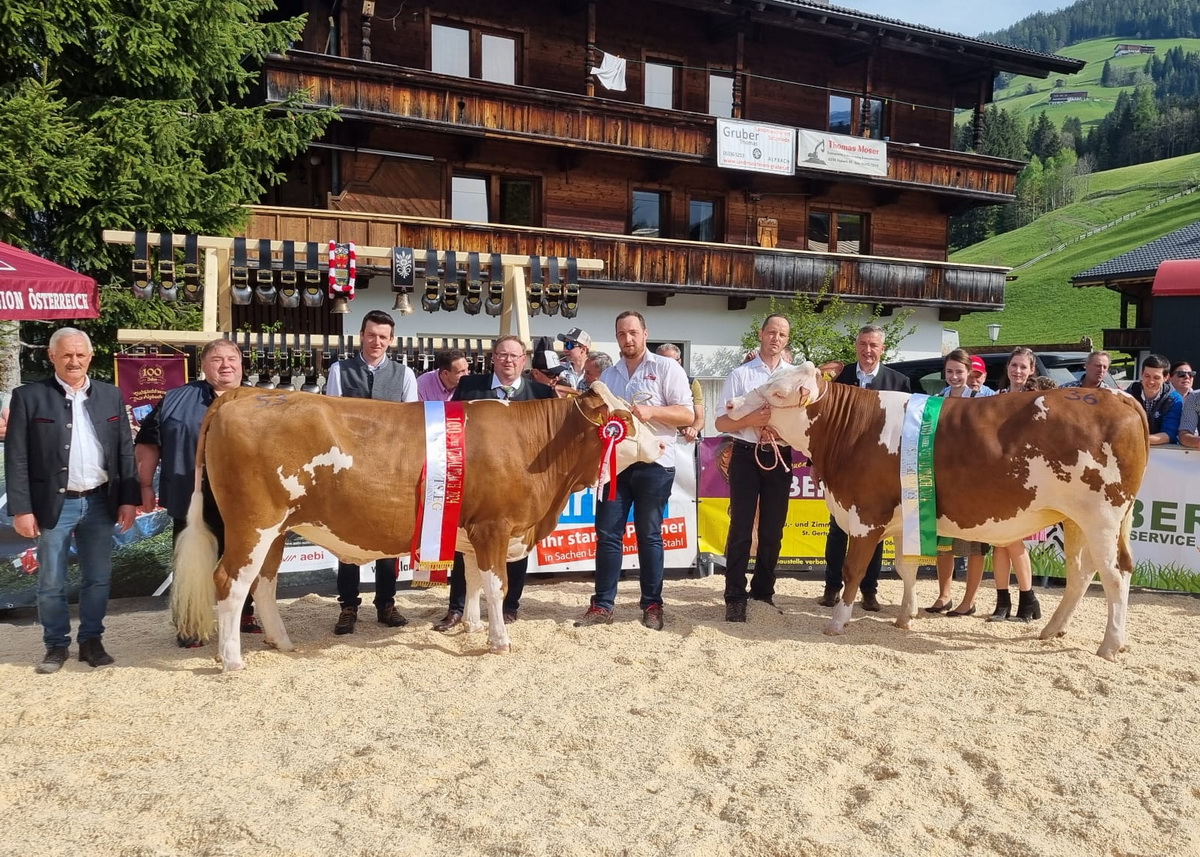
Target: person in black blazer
column 68, row 458
column 870, row 374
column 505, row 383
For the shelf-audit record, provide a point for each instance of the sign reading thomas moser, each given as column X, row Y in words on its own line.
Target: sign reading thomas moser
column 820, row 150
column 756, row 146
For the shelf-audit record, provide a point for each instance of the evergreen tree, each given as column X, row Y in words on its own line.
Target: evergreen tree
column 122, row 117
column 1044, row 139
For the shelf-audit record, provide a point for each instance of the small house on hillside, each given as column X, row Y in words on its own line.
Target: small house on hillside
column 1066, row 97
column 1159, row 284
column 1125, row 50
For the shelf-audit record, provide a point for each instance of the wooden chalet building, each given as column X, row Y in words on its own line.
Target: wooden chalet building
column 476, row 126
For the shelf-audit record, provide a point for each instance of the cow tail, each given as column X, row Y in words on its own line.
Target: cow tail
column 194, row 591
column 1124, row 552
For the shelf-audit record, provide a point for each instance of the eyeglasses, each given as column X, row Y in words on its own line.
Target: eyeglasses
column 507, row 356
column 1184, row 374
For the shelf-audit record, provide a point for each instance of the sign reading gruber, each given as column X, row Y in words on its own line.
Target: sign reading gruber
column 756, row 146
column 820, row 150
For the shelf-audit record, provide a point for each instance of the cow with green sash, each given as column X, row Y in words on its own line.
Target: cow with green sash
column 1038, row 458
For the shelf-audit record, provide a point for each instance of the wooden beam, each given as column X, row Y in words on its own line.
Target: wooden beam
column 735, row 304
column 949, row 314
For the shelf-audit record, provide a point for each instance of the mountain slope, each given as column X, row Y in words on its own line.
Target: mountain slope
column 1041, row 305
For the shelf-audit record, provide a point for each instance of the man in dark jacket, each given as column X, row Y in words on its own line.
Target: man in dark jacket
column 68, row 458
column 507, row 384
column 869, row 374
column 169, row 433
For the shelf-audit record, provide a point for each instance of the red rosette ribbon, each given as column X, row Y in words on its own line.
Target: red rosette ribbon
column 611, row 433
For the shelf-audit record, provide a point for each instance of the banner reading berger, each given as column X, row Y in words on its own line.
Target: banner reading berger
column 144, row 379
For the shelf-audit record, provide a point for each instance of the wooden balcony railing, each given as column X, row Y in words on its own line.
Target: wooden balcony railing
column 1126, row 338
column 420, row 99
column 662, row 265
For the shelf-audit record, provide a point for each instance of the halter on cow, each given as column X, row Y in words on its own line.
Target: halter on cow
column 281, row 461
column 1034, row 459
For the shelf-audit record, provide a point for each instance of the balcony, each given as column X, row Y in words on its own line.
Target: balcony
column 413, row 98
column 736, row 271
column 1128, row 339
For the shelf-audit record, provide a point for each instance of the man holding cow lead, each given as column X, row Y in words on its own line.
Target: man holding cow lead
column 760, row 478
column 371, row 375
column 658, row 390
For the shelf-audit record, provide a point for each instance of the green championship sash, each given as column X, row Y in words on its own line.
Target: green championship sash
column 918, row 486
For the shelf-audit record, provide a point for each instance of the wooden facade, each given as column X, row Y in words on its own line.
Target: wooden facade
column 561, row 165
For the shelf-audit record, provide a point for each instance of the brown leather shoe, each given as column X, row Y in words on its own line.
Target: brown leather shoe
column 652, row 617
column 452, row 618
column 594, row 616
column 830, row 597
column 391, row 617
column 510, row 616
column 870, row 602
column 347, row 619
column 735, row 611
column 92, row 652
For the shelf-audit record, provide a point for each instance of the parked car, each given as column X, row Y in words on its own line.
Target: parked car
column 925, row 375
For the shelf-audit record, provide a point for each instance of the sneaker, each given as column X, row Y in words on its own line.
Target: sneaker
column 346, row 621
column 735, row 611
column 652, row 617
column 594, row 616
column 250, row 625
column 391, row 617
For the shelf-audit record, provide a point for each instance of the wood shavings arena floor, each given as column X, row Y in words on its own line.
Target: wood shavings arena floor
column 761, row 739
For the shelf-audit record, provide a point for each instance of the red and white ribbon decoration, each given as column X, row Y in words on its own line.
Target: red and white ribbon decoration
column 611, row 433
column 343, row 268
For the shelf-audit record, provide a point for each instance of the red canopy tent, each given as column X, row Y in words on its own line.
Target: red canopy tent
column 36, row 289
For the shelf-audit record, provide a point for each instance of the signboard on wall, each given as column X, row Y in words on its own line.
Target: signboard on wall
column 756, row 146
column 820, row 150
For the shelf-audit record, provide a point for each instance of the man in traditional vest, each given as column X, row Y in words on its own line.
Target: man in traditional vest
column 371, row 375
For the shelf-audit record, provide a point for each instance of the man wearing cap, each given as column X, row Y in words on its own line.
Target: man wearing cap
column 547, row 370
column 577, row 344
column 506, row 384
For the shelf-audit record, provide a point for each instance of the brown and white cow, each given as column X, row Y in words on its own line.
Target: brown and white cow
column 344, row 474
column 1011, row 465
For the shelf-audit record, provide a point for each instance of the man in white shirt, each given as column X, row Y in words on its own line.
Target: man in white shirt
column 760, row 479
column 658, row 390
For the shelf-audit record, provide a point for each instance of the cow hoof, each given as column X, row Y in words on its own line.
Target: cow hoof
column 835, row 630
column 284, row 646
column 499, row 649
column 234, row 666
column 902, row 623
column 474, row 627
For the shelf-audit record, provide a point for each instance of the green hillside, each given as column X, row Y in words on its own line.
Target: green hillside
column 1041, row 305
column 1028, row 96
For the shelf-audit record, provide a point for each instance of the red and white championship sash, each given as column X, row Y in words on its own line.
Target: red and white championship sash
column 441, row 499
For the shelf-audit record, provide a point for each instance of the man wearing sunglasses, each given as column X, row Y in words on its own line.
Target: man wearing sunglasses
column 577, row 343
column 1182, row 376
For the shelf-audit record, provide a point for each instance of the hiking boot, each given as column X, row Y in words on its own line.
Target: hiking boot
column 250, row 625
column 391, row 617
column 55, row 657
column 347, row 619
column 652, row 617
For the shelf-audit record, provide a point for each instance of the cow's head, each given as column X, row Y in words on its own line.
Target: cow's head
column 788, row 393
column 641, row 444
